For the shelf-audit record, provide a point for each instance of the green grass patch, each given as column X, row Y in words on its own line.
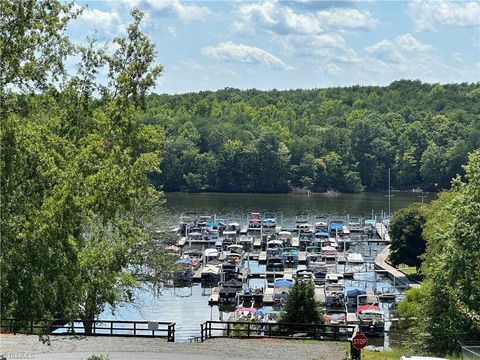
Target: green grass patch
column 393, row 354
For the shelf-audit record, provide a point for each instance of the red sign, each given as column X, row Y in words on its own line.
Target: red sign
column 359, row 341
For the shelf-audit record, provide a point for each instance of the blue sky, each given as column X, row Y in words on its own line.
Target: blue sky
column 209, row 45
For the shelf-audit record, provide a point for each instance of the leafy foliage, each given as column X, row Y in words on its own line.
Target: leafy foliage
column 448, row 310
column 405, row 231
column 301, row 307
column 341, row 139
column 77, row 205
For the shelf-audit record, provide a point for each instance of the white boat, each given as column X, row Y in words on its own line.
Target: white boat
column 210, row 254
column 355, row 258
column 285, row 237
column 246, row 240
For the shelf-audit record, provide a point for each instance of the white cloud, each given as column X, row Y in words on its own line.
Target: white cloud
column 332, row 69
column 400, row 49
column 347, row 18
column 428, row 14
column 403, row 56
column 456, row 56
column 277, row 17
column 177, row 9
column 172, row 31
column 229, row 51
column 331, row 47
column 109, row 22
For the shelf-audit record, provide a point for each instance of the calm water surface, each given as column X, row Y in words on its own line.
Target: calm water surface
column 286, row 206
column 188, row 306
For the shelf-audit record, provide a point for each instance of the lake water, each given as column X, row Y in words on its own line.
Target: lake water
column 286, row 206
column 188, row 306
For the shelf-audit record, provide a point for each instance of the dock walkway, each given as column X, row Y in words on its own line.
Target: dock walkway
column 382, row 231
column 399, row 277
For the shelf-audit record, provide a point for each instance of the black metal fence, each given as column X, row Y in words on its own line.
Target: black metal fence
column 239, row 329
column 90, row 328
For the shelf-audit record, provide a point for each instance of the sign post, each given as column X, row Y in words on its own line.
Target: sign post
column 359, row 341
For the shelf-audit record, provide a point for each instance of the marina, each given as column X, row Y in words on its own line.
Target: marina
column 236, row 266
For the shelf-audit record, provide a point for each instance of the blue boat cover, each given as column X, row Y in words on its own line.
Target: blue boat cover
column 212, row 224
column 321, row 233
column 355, row 293
column 281, row 282
column 336, row 226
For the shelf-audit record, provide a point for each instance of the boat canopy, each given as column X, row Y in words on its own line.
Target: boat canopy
column 362, row 308
column 210, row 252
column 335, row 225
column 244, row 309
column 322, row 234
column 274, row 242
column 355, row 292
column 283, row 283
column 369, row 222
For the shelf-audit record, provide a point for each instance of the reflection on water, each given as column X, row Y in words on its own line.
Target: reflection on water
column 188, row 306
column 286, row 206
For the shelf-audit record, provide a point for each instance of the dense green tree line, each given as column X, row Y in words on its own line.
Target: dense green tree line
column 340, row 138
column 77, row 205
column 445, row 310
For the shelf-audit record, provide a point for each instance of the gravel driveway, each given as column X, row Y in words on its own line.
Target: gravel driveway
column 70, row 348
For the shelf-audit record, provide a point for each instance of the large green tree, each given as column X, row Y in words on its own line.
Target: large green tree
column 301, row 306
column 450, row 305
column 406, row 232
column 77, row 206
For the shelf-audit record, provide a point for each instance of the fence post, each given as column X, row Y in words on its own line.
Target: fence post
column 201, row 332
column 171, row 332
column 248, row 330
column 94, row 327
column 228, row 329
column 111, row 327
column 31, row 327
column 134, row 328
column 269, row 329
column 335, row 333
column 209, row 329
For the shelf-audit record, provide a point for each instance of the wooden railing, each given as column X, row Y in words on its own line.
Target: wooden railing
column 239, row 329
column 90, row 327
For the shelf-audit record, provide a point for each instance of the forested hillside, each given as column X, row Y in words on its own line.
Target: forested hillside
column 341, row 139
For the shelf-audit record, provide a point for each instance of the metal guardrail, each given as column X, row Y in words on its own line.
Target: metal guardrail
column 90, row 327
column 245, row 329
